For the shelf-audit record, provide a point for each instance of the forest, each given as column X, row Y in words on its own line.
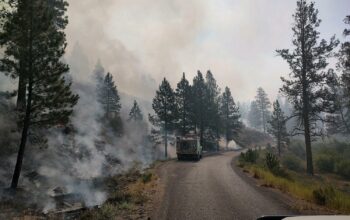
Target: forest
column 60, row 133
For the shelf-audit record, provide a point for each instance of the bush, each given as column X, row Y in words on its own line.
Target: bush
column 343, row 168
column 146, row 177
column 325, row 163
column 271, row 161
column 273, row 164
column 250, row 156
column 291, row 162
column 323, row 195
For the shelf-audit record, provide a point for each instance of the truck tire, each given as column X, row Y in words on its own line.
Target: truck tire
column 179, row 157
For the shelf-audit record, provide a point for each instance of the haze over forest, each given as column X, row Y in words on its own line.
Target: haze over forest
column 142, row 42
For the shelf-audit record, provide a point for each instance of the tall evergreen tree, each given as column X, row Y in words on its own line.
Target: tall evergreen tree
column 230, row 116
column 109, row 98
column 254, row 116
column 135, row 113
column 306, row 88
column 165, row 108
column 263, row 104
column 340, row 121
column 34, row 41
column 183, row 102
column 277, row 126
column 212, row 105
column 99, row 73
column 199, row 91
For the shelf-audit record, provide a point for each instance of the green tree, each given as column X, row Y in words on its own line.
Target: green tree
column 254, row 116
column 230, row 116
column 34, row 41
column 109, row 98
column 183, row 102
column 306, row 88
column 263, row 104
column 135, row 113
column 277, row 126
column 199, row 91
column 212, row 105
column 165, row 108
column 341, row 120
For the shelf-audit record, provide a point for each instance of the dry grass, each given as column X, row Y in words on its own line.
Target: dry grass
column 303, row 187
column 128, row 196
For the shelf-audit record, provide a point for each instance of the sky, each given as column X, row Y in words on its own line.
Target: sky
column 140, row 42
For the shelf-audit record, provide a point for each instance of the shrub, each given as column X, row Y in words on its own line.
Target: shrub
column 325, row 163
column 250, row 156
column 273, row 164
column 271, row 161
column 322, row 196
column 146, row 177
column 292, row 162
column 343, row 168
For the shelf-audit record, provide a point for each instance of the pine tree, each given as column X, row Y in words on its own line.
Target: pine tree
column 199, row 104
column 165, row 108
column 277, row 126
column 99, row 73
column 254, row 116
column 183, row 102
column 34, row 43
column 135, row 113
column 109, row 98
column 212, row 105
column 230, row 116
column 263, row 104
column 340, row 121
column 306, row 88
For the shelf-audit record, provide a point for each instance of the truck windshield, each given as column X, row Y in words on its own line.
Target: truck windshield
column 187, row 144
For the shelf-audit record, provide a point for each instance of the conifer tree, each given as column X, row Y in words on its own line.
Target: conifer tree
column 34, row 41
column 277, row 126
column 340, row 122
column 165, row 108
column 135, row 113
column 183, row 102
column 254, row 116
column 230, row 116
column 263, row 104
column 212, row 105
column 109, row 98
column 307, row 89
column 199, row 91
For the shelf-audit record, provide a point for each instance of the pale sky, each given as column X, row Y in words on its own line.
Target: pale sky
column 140, row 41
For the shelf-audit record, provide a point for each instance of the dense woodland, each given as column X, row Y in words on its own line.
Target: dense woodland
column 314, row 100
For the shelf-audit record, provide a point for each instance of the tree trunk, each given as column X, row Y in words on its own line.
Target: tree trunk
column 166, row 142
column 21, row 95
column 26, row 125
column 309, row 165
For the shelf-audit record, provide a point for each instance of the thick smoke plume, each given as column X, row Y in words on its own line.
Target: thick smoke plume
column 74, row 158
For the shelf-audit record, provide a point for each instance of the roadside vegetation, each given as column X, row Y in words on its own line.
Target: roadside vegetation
column 128, row 197
column 329, row 188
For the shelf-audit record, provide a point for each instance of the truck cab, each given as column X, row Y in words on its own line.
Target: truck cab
column 188, row 146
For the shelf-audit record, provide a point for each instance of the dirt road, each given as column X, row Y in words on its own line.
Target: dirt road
column 212, row 189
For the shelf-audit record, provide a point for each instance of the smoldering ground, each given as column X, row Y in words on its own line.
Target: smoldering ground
column 73, row 159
